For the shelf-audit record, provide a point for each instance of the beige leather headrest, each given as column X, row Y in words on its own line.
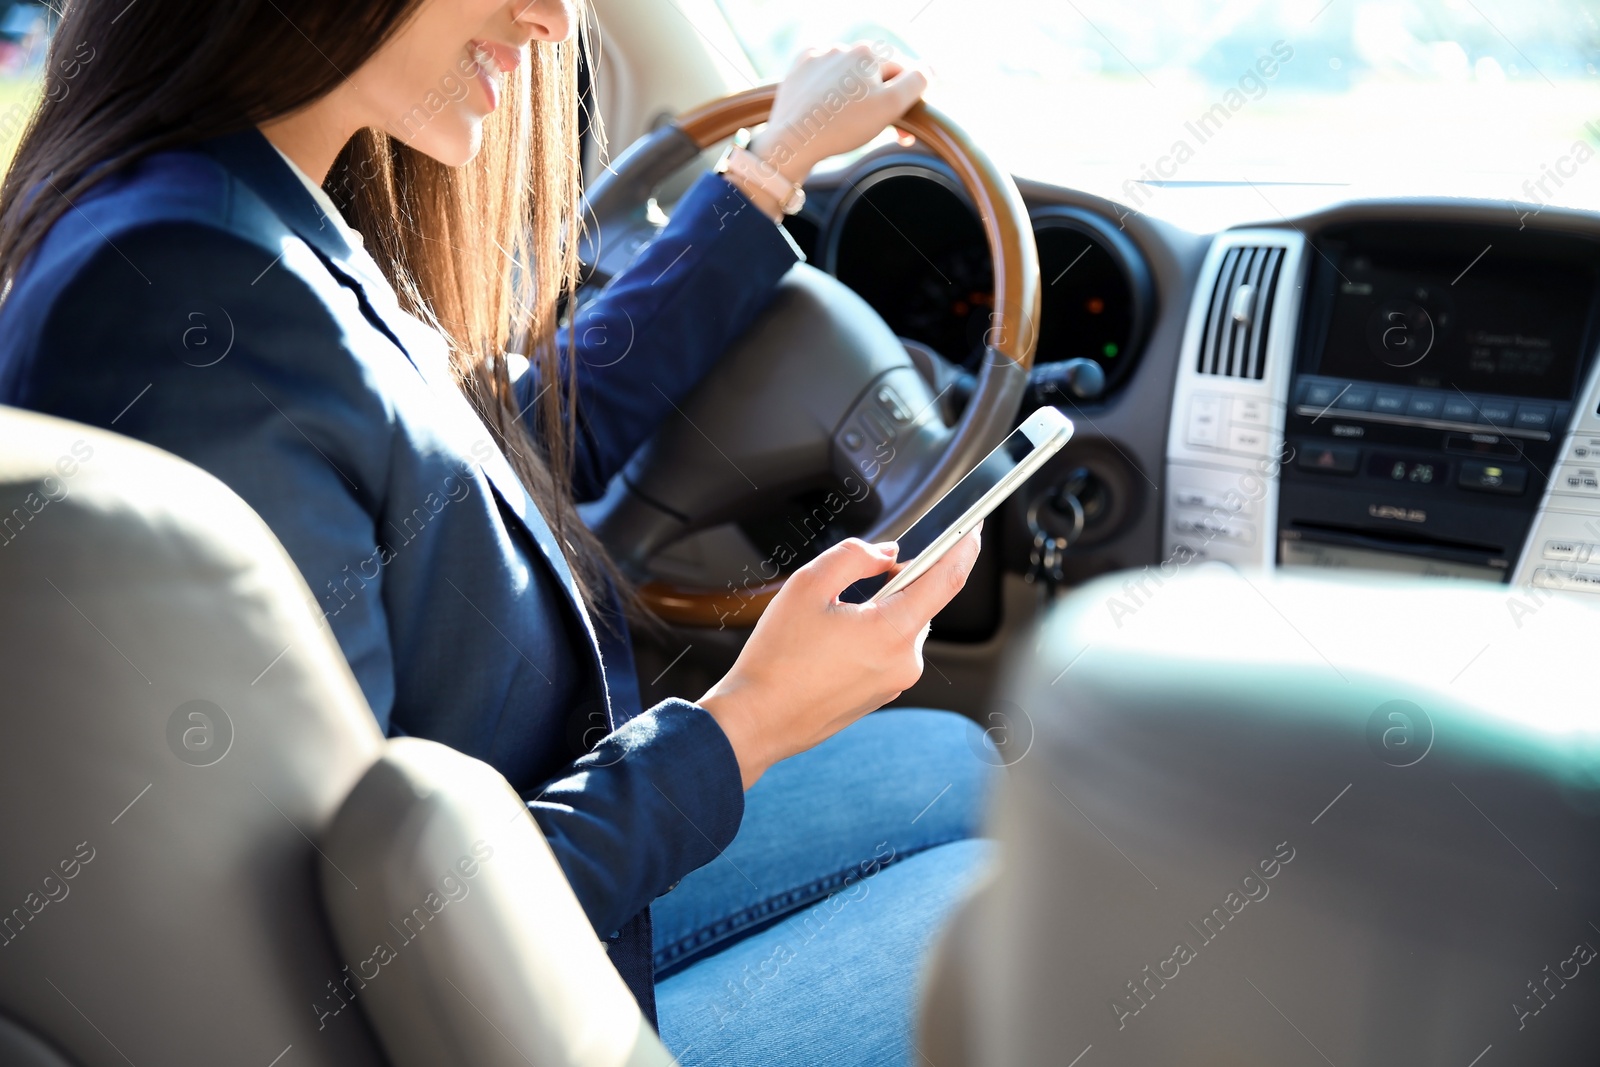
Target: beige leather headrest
column 462, row 939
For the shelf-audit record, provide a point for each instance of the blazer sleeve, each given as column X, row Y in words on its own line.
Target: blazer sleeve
column 651, row 334
column 165, row 338
column 664, row 790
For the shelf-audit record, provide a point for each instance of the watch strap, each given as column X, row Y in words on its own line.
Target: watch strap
column 739, row 161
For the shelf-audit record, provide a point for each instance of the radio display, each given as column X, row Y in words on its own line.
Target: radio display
column 1506, row 324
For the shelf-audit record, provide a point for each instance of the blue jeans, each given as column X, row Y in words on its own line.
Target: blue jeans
column 803, row 942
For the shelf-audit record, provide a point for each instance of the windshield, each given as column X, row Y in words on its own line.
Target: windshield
column 1492, row 98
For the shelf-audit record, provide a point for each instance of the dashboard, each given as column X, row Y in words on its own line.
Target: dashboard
column 1373, row 385
column 905, row 237
column 1429, row 394
column 1411, row 411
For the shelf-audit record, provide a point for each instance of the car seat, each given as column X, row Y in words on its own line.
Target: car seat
column 1279, row 818
column 212, row 855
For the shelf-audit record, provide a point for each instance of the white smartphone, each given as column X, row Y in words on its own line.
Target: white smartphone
column 954, row 515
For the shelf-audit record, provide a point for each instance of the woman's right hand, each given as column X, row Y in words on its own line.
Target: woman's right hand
column 814, row 665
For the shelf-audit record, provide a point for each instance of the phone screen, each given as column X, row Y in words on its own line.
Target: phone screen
column 950, row 507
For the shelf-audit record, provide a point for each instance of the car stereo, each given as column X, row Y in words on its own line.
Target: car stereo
column 1435, row 375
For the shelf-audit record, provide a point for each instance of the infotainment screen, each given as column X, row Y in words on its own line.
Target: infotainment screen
column 1506, row 324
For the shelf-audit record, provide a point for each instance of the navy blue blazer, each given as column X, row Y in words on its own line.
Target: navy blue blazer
column 203, row 302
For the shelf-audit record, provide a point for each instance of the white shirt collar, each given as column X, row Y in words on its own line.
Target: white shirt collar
column 324, row 201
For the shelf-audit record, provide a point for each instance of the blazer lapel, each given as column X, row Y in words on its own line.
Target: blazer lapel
column 428, row 353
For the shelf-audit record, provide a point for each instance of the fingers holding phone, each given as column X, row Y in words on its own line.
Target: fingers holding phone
column 911, row 610
column 844, row 635
column 814, row 663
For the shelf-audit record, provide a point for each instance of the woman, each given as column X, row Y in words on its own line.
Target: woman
column 178, row 272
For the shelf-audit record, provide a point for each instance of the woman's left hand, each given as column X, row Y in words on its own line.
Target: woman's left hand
column 832, row 101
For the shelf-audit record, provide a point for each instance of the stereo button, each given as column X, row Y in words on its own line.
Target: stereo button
column 1250, row 410
column 1497, row 412
column 1231, row 503
column 1240, row 532
column 1321, row 394
column 1583, row 481
column 1572, row 550
column 1534, row 417
column 1425, row 405
column 1390, row 402
column 1329, row 459
column 1356, row 398
column 1561, row 578
column 1460, row 409
column 1247, row 439
column 1585, row 449
column 1212, row 529
column 1205, row 421
column 1492, row 478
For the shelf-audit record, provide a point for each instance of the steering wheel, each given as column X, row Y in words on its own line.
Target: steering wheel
column 818, row 392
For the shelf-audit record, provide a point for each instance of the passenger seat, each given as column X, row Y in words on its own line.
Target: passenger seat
column 1267, row 818
column 211, row 853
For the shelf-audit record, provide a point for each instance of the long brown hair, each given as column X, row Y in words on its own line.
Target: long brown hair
column 485, row 252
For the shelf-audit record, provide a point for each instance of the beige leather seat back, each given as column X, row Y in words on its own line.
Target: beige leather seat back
column 1268, row 819
column 181, row 735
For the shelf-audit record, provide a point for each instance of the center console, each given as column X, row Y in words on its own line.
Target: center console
column 1433, row 386
column 1412, row 397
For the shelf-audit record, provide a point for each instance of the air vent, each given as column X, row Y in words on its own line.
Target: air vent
column 1234, row 344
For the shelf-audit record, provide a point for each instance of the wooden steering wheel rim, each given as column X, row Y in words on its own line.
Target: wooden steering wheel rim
column 1013, row 331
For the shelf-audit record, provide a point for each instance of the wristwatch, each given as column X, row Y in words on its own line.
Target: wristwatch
column 739, row 161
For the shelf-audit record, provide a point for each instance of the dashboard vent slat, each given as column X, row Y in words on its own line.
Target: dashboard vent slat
column 1234, row 342
column 1264, row 296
